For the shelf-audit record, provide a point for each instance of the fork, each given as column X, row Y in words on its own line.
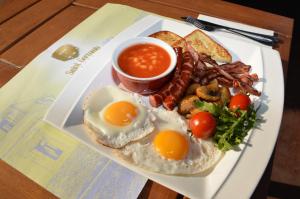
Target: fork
column 264, row 39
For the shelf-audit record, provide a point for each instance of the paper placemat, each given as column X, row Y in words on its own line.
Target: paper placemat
column 54, row 160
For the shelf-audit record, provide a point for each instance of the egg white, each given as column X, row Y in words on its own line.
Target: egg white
column 202, row 154
column 109, row 134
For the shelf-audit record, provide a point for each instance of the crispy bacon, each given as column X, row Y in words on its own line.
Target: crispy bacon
column 234, row 74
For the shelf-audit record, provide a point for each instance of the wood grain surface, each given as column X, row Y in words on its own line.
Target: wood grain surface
column 10, row 8
column 7, row 72
column 14, row 184
column 39, row 23
column 25, row 22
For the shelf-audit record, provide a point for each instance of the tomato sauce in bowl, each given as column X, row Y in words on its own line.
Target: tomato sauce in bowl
column 144, row 60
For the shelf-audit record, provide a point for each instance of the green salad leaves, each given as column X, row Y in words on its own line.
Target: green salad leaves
column 232, row 125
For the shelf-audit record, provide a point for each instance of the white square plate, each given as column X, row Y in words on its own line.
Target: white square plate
column 66, row 112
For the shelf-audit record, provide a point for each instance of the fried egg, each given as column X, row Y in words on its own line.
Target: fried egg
column 170, row 150
column 115, row 117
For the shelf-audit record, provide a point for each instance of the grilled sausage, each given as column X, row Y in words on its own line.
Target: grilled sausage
column 181, row 83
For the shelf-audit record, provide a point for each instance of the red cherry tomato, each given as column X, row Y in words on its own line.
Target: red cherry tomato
column 241, row 101
column 203, row 125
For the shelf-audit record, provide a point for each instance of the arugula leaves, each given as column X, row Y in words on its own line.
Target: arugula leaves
column 214, row 109
column 232, row 126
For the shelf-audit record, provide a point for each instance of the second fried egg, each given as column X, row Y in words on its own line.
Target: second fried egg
column 170, row 150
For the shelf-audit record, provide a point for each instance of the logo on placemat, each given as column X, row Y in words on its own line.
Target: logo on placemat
column 81, row 60
column 66, row 52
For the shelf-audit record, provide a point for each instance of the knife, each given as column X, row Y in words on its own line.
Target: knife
column 209, row 26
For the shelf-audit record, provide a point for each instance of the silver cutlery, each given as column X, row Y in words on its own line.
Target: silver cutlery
column 208, row 26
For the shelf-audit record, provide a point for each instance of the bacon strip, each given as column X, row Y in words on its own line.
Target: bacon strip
column 225, row 82
column 236, row 67
column 246, row 88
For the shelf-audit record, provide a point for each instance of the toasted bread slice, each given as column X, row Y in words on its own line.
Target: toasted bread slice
column 180, row 43
column 202, row 43
column 166, row 36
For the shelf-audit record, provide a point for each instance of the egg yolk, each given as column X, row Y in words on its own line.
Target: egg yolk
column 120, row 113
column 171, row 144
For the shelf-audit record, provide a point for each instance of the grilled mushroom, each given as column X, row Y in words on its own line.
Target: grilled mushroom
column 209, row 92
column 224, row 96
column 192, row 89
column 187, row 104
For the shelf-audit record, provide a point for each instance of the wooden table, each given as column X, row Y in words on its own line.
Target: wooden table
column 36, row 24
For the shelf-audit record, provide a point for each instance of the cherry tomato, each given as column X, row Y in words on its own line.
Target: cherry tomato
column 203, row 125
column 241, row 101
